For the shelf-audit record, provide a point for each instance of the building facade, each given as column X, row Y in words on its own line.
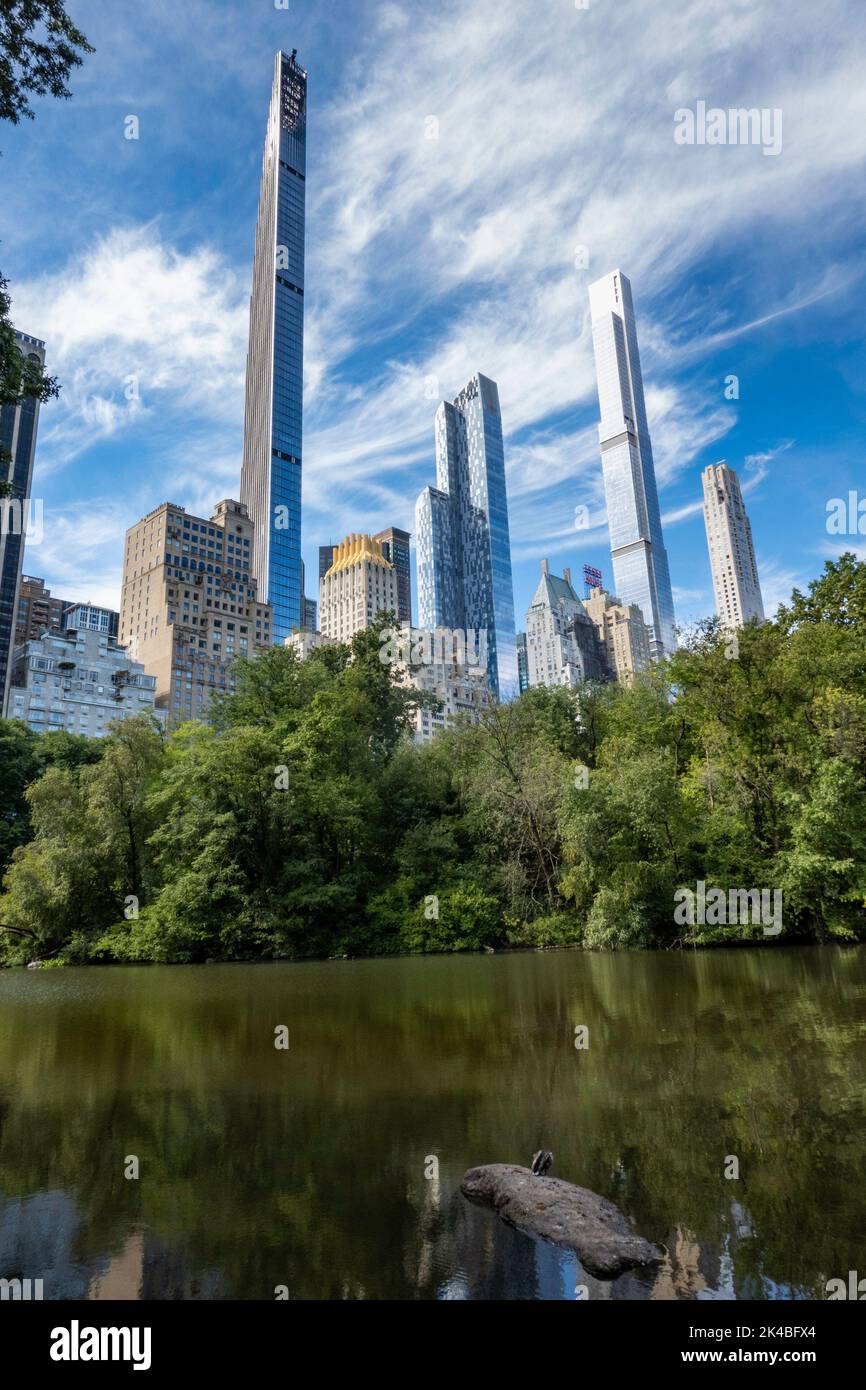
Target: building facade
column 190, row 603
column 360, row 584
column 732, row 551
column 18, row 427
column 461, row 525
column 326, row 559
column 309, row 606
column 397, row 547
column 310, row 619
column 626, row 638
column 562, row 645
column 640, row 562
column 89, row 618
column 273, row 419
column 522, row 663
column 463, row 693
column 305, row 642
column 78, row 681
column 590, row 648
column 38, row 610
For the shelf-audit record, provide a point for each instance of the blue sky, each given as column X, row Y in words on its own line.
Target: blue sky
column 432, row 258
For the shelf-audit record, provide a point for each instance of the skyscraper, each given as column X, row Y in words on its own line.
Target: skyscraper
column 623, row 632
column 310, row 620
column 273, row 423
column 190, row 604
column 522, row 663
column 326, row 559
column 18, row 425
column 38, row 610
column 732, row 552
column 360, row 584
column 309, row 607
column 464, row 550
column 640, row 562
column 396, row 548
column 562, row 645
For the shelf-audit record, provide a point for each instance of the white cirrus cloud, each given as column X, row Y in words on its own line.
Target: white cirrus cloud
column 463, row 157
column 136, row 329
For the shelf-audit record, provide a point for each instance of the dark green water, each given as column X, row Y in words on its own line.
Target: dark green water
column 306, row 1167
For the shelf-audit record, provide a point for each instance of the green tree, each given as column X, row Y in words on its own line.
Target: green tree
column 823, row 872
column 88, row 852
column 39, row 47
column 56, row 886
column 117, row 790
column 23, row 757
column 303, row 821
column 19, row 765
column 838, row 596
column 511, row 771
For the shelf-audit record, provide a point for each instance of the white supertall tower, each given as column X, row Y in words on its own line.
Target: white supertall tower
column 640, row 562
column 732, row 553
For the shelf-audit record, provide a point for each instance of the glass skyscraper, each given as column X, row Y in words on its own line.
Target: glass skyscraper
column 396, row 547
column 18, row 424
column 640, row 562
column 463, row 543
column 273, row 424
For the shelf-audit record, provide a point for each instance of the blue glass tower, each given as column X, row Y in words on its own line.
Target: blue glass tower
column 273, row 423
column 640, row 561
column 464, row 548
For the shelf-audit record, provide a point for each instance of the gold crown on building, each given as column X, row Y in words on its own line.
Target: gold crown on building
column 356, row 548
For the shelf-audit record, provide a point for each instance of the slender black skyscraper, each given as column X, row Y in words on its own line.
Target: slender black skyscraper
column 396, row 548
column 273, row 424
column 18, row 425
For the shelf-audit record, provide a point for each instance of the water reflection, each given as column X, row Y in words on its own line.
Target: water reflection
column 306, row 1169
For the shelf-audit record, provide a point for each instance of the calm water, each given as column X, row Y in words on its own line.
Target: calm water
column 306, row 1167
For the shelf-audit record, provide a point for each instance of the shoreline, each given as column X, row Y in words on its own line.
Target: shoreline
column 703, row 947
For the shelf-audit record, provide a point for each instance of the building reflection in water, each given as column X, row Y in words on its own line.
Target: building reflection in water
column 41, row 1237
column 457, row 1251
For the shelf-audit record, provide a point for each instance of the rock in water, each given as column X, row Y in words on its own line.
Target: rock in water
column 558, row 1211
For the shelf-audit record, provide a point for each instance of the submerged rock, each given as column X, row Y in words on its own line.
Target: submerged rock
column 558, row 1211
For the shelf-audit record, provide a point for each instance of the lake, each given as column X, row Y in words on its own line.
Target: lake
column 330, row 1168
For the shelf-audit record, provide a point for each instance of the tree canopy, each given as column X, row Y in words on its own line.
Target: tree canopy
column 39, row 47
column 302, row 821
